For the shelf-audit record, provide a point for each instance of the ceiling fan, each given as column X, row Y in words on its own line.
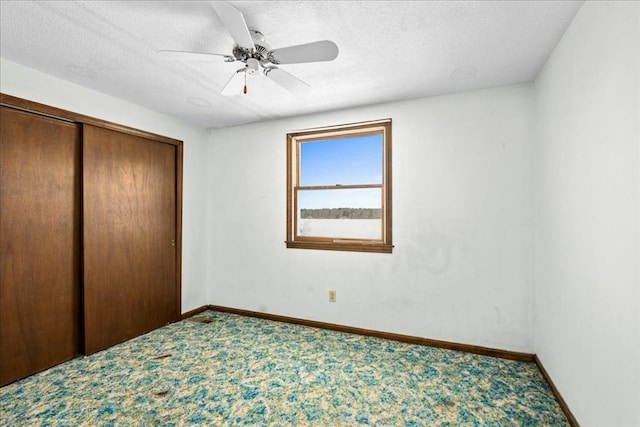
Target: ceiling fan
column 257, row 56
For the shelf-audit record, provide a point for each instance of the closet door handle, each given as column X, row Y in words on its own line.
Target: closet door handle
column 173, row 242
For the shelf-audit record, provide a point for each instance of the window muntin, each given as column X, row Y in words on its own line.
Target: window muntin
column 339, row 188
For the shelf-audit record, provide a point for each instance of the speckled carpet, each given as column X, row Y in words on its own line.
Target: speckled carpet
column 219, row 369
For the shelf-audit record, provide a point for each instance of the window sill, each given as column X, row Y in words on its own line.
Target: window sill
column 342, row 246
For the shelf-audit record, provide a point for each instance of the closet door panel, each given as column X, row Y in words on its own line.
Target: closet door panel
column 129, row 219
column 40, row 307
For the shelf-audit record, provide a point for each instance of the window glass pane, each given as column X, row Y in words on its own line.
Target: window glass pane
column 342, row 214
column 345, row 160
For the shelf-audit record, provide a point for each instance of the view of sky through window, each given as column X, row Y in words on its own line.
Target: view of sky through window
column 341, row 161
column 350, row 160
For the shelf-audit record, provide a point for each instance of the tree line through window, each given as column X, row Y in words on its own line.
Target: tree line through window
column 341, row 213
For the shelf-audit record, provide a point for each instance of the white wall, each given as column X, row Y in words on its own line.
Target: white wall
column 462, row 224
column 587, row 257
column 30, row 84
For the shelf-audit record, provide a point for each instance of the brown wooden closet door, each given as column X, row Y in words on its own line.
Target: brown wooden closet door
column 129, row 219
column 40, row 314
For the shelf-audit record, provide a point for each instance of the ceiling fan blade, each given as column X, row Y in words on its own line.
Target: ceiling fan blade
column 179, row 55
column 235, row 84
column 235, row 24
column 324, row 50
column 287, row 81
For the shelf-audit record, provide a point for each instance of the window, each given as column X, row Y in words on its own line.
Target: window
column 339, row 188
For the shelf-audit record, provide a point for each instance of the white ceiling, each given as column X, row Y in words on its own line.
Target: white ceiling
column 389, row 50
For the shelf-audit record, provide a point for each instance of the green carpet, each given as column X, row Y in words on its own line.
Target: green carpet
column 219, row 369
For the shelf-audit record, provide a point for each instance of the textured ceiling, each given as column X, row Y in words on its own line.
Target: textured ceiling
column 389, row 50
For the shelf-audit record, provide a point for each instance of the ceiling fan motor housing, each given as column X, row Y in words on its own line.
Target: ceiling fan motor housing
column 262, row 51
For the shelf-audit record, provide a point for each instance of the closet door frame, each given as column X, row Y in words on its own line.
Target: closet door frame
column 46, row 110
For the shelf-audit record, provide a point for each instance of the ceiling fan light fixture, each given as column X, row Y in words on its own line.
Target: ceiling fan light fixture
column 253, row 66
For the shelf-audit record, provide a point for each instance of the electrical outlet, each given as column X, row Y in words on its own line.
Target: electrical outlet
column 332, row 296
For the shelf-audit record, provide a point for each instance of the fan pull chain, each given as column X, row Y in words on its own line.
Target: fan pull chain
column 245, row 82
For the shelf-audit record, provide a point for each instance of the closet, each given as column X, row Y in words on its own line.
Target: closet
column 90, row 232
column 129, row 225
column 40, row 245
